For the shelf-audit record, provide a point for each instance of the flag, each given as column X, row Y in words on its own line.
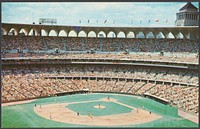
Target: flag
column 156, row 20
column 105, row 21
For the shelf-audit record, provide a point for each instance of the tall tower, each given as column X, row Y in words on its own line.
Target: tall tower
column 187, row 16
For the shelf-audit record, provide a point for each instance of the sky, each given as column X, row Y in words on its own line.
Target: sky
column 123, row 14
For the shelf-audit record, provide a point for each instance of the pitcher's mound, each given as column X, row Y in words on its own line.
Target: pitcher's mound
column 97, row 106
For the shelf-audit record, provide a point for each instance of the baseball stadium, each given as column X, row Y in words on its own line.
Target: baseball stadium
column 146, row 77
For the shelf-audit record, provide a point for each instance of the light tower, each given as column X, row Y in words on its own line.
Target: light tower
column 187, row 16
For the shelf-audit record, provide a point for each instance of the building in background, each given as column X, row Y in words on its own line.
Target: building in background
column 187, row 16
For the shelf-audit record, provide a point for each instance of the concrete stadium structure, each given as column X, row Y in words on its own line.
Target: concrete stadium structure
column 109, row 79
column 186, row 32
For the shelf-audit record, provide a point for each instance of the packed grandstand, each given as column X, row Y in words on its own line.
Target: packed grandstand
column 42, row 66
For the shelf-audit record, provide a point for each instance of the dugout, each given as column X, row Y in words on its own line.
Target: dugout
column 161, row 100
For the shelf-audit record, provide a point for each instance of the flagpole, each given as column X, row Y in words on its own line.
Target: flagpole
column 149, row 23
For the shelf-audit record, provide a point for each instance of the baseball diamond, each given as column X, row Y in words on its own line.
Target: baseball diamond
column 121, row 110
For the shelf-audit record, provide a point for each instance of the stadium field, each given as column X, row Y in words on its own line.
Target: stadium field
column 118, row 110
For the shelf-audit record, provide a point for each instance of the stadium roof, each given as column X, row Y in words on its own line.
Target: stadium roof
column 189, row 5
column 186, row 30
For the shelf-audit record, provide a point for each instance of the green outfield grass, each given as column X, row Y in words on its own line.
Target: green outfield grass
column 23, row 116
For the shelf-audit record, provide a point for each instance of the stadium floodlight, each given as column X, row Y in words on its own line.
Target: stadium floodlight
column 48, row 21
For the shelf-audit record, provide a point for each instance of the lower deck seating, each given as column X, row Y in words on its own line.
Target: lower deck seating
column 24, row 87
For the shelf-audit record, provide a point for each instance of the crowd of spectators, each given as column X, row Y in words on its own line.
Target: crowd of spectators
column 27, row 81
column 99, row 44
column 135, row 72
column 19, row 87
column 184, row 97
column 182, row 58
